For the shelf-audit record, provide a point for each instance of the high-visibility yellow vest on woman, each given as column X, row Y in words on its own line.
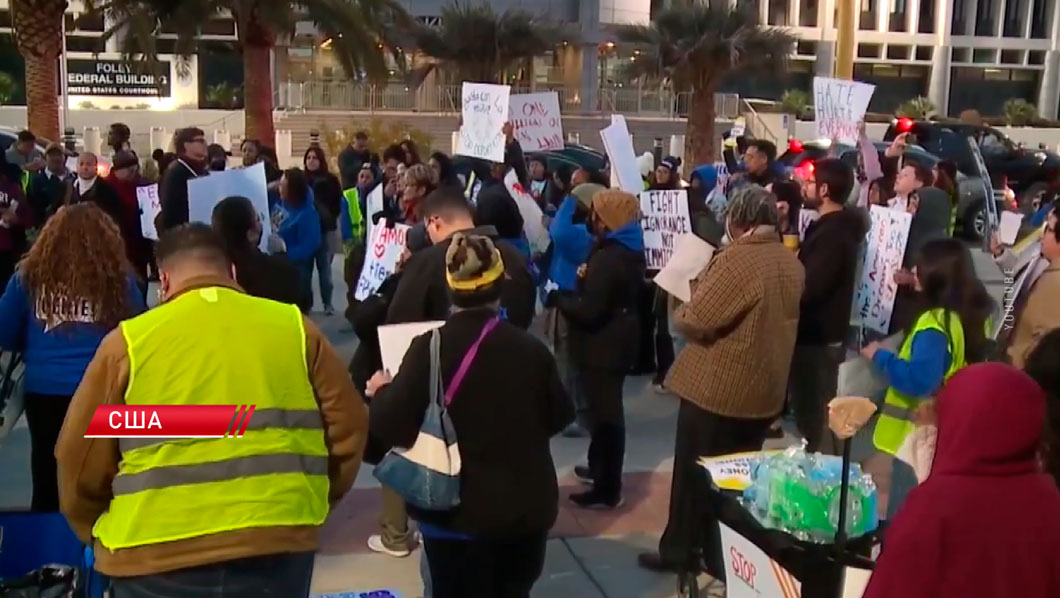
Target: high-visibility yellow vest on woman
column 275, row 475
column 896, row 416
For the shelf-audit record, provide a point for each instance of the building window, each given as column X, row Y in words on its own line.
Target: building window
column 984, row 55
column 867, row 22
column 926, row 22
column 1036, row 57
column 897, row 21
column 219, row 27
column 924, row 52
column 1013, row 26
column 984, row 18
column 806, row 48
column 1012, row 57
column 76, row 43
column 962, row 54
column 1039, row 22
column 808, row 13
column 89, row 22
column 868, row 50
column 895, row 52
column 778, row 12
column 959, row 22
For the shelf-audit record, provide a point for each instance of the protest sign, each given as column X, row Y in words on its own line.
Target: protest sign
column 373, row 204
column 664, row 217
column 806, row 218
column 536, row 120
column 533, row 218
column 750, row 573
column 875, row 290
column 206, row 192
column 1009, row 228
column 619, row 149
column 384, row 251
column 395, row 339
column 839, row 107
column 484, row 110
column 150, row 206
column 855, row 582
column 690, row 257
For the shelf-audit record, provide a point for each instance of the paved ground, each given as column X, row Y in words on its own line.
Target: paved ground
column 590, row 555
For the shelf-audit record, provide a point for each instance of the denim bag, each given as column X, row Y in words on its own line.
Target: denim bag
column 427, row 475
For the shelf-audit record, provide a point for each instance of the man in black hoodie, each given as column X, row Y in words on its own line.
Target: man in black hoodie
column 829, row 254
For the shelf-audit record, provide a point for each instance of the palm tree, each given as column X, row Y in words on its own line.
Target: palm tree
column 358, row 29
column 38, row 26
column 475, row 43
column 695, row 46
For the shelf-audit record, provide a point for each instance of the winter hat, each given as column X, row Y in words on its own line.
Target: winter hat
column 474, row 271
column 645, row 163
column 584, row 193
column 616, row 208
column 671, row 162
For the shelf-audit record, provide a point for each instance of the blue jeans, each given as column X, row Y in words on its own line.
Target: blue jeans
column 280, row 575
column 323, row 267
column 903, row 480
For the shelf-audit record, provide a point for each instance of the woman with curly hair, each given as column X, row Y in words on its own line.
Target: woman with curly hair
column 72, row 288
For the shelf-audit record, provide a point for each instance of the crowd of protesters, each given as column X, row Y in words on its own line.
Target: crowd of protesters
column 764, row 332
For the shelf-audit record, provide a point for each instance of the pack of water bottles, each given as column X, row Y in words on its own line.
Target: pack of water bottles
column 798, row 493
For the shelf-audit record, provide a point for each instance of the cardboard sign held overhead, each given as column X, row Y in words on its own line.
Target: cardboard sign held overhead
column 839, row 107
column 150, row 206
column 536, row 120
column 205, row 192
column 619, row 149
column 484, row 109
column 875, row 292
column 664, row 218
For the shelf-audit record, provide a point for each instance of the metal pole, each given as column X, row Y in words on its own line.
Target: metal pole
column 845, row 29
column 64, row 115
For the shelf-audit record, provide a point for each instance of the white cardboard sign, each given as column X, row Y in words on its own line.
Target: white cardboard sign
column 876, row 290
column 623, row 161
column 485, row 109
column 839, row 106
column 536, row 120
column 750, row 573
column 150, row 206
column 384, row 252
column 533, row 218
column 691, row 256
column 205, row 192
column 394, row 341
column 664, row 218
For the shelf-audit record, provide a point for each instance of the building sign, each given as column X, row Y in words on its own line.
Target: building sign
column 91, row 77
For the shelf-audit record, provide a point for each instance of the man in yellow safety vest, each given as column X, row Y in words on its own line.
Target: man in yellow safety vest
column 239, row 516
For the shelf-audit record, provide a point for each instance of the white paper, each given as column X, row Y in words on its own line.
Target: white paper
column 839, row 106
column 384, row 252
column 855, row 582
column 739, row 126
column 1010, row 227
column 619, row 149
column 533, row 218
column 373, row 204
column 485, row 110
column 536, row 120
column 664, row 217
column 691, row 255
column 750, row 573
column 875, row 291
column 733, row 471
column 806, row 218
column 394, row 341
column 150, row 206
column 207, row 191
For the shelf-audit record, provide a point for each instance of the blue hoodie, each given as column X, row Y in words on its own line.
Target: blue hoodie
column 571, row 244
column 708, row 174
column 630, row 235
column 55, row 359
column 300, row 230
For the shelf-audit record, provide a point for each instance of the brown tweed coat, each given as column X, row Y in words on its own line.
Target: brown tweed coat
column 740, row 326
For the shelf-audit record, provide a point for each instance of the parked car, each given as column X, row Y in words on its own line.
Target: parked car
column 1033, row 174
column 572, row 155
column 9, row 136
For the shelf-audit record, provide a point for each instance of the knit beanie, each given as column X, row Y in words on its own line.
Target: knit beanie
column 584, row 193
column 616, row 208
column 671, row 162
column 474, row 271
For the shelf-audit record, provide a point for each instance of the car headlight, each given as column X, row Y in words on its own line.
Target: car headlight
column 1040, row 157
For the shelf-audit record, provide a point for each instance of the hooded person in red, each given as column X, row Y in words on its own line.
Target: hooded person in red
column 986, row 522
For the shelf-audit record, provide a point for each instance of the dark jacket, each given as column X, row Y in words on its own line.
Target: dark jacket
column 327, row 197
column 173, row 194
column 829, row 254
column 350, row 162
column 46, row 194
column 137, row 248
column 267, row 276
column 504, row 414
column 13, row 238
column 495, row 206
column 603, row 312
column 423, row 293
column 101, row 194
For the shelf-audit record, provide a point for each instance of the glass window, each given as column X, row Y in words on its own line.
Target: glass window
column 959, row 22
column 868, row 50
column 1013, row 26
column 778, row 12
column 1039, row 22
column 926, row 22
column 984, row 18
column 808, row 13
column 867, row 22
column 924, row 52
column 897, row 20
column 895, row 52
column 1012, row 57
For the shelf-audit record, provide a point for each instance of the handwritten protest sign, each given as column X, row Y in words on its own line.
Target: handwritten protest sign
column 619, row 149
column 733, row 471
column 664, row 218
column 395, row 339
column 150, row 206
column 536, row 120
column 806, row 218
column 839, row 106
column 884, row 250
column 484, row 110
column 750, row 573
column 373, row 204
column 533, row 218
column 384, row 251
column 206, row 192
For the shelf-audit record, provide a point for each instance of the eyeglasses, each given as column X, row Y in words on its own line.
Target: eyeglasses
column 198, row 140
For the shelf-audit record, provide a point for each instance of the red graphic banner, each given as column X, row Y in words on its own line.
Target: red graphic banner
column 169, row 421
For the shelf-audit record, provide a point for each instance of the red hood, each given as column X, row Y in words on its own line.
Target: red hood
column 990, row 423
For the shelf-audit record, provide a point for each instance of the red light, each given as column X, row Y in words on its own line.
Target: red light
column 905, row 125
column 804, row 171
column 795, row 146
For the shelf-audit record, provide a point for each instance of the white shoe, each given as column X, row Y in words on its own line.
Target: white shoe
column 375, row 544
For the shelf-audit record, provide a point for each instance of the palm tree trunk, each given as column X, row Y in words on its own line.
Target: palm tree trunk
column 42, row 98
column 699, row 134
column 257, row 92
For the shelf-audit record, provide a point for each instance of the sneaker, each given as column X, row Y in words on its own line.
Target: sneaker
column 583, row 473
column 329, row 311
column 375, row 544
column 596, row 501
column 575, row 430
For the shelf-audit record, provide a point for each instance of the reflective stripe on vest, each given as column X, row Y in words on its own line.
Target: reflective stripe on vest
column 353, row 205
column 218, row 346
column 896, row 415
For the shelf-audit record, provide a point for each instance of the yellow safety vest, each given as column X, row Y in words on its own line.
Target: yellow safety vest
column 217, row 346
column 896, row 416
column 353, row 206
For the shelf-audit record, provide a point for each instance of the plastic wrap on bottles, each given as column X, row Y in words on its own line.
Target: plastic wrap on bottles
column 798, row 493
